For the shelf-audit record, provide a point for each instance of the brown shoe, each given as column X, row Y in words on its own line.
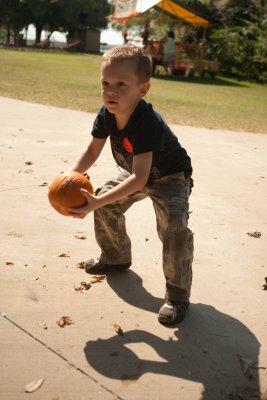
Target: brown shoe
column 97, row 267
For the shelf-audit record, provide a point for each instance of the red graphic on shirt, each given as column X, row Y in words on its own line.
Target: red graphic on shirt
column 127, row 145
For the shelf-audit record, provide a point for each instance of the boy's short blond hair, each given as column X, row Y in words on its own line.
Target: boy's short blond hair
column 139, row 56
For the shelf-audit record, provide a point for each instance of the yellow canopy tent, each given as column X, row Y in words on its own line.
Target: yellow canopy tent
column 125, row 9
column 189, row 55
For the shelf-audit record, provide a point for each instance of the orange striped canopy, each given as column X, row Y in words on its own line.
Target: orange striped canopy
column 126, row 9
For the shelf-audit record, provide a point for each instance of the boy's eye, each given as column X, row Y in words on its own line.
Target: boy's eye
column 121, row 84
column 104, row 83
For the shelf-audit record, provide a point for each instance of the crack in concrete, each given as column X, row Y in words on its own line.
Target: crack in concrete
column 20, row 187
column 62, row 357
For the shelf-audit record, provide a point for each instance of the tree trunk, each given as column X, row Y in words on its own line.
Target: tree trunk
column 8, row 34
column 39, row 29
column 49, row 35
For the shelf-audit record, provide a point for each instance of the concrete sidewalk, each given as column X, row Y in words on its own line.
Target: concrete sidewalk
column 203, row 358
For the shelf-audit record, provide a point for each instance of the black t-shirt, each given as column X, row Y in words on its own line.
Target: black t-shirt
column 145, row 131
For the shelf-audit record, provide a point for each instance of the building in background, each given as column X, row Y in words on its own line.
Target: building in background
column 84, row 40
column 92, row 41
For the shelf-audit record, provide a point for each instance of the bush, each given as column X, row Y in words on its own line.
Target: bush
column 239, row 43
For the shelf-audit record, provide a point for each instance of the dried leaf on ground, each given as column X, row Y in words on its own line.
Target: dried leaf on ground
column 77, row 288
column 15, row 234
column 247, row 366
column 86, row 285
column 9, row 263
column 265, row 284
column 34, row 385
column 97, row 278
column 118, row 329
column 64, row 320
column 80, row 237
column 44, row 184
column 255, row 234
column 28, row 162
column 82, row 287
column 64, row 255
column 42, row 324
column 80, row 265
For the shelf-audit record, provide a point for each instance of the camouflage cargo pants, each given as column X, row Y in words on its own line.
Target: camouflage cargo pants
column 170, row 200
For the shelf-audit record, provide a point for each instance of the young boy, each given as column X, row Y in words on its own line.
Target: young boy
column 154, row 165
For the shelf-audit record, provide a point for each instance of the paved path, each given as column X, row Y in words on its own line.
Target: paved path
column 227, row 320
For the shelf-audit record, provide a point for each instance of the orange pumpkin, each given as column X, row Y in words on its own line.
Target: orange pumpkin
column 64, row 191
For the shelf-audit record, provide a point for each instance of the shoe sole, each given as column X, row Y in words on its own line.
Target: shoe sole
column 107, row 268
column 164, row 320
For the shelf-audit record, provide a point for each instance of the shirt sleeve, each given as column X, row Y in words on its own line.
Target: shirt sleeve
column 99, row 129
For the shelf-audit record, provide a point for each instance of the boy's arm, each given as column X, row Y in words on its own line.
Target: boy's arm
column 89, row 156
column 136, row 181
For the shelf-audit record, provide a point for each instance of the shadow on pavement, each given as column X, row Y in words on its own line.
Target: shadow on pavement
column 128, row 286
column 205, row 348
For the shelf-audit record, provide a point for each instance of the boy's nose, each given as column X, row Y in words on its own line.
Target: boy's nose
column 111, row 91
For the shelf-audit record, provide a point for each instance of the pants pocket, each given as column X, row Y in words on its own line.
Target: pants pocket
column 177, row 214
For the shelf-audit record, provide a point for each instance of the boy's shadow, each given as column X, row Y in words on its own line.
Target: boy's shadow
column 207, row 348
column 129, row 287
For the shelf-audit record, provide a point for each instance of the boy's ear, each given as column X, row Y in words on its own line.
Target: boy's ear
column 145, row 88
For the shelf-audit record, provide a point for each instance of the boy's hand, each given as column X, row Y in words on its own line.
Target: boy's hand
column 92, row 204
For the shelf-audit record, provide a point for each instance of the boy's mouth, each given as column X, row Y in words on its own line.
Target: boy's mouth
column 112, row 102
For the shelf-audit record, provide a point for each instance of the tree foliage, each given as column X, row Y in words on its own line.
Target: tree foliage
column 13, row 17
column 51, row 15
column 238, row 38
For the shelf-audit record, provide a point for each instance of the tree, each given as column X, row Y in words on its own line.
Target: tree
column 14, row 17
column 80, row 14
column 38, row 10
column 51, row 15
column 238, row 40
column 66, row 15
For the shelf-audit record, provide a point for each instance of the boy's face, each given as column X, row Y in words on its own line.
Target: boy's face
column 121, row 88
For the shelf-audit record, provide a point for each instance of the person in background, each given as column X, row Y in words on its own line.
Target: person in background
column 156, row 51
column 169, row 53
column 124, row 35
column 145, row 36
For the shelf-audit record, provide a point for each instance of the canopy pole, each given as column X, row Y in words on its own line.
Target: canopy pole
column 204, row 33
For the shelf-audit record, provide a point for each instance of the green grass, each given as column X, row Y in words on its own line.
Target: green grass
column 72, row 81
